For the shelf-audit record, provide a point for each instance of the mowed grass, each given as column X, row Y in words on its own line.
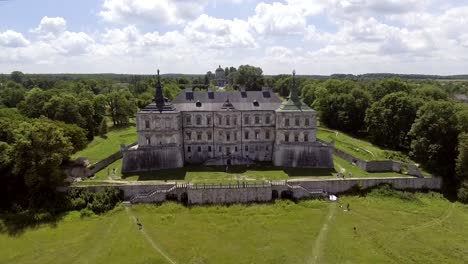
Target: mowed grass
column 218, row 174
column 420, row 228
column 100, row 148
column 359, row 148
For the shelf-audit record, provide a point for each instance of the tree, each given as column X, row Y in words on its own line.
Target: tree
column 121, row 105
column 462, row 159
column 17, row 77
column 249, row 76
column 388, row 86
column 431, row 92
column 342, row 105
column 34, row 101
column 389, row 120
column 434, row 137
column 103, row 127
column 282, row 85
column 38, row 151
column 11, row 94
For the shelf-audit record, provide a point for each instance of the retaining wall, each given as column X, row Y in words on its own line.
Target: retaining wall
column 246, row 193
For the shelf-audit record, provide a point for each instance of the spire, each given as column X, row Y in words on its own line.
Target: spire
column 294, row 94
column 159, row 98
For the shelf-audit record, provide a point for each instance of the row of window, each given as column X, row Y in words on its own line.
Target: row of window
column 297, row 122
column 227, row 135
column 228, row 120
column 296, row 137
column 228, row 149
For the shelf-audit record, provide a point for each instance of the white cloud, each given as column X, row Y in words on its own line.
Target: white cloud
column 220, row 33
column 51, row 26
column 13, row 39
column 278, row 19
column 151, row 11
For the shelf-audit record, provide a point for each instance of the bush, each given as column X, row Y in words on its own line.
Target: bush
column 86, row 213
column 463, row 193
column 98, row 202
column 387, row 191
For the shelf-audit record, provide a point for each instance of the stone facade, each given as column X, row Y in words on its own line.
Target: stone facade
column 226, row 128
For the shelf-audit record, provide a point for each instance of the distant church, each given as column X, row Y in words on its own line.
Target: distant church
column 220, row 77
column 226, row 128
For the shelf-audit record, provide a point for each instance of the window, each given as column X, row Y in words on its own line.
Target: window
column 228, row 150
column 199, row 136
column 148, row 141
column 189, row 135
column 257, row 134
column 228, row 121
column 228, row 136
column 296, row 137
column 208, row 121
column 189, row 149
column 209, row 135
column 267, row 134
column 219, row 120
column 235, row 136
column 147, row 123
column 246, row 120
column 257, row 120
column 286, row 122
column 209, row 148
column 286, row 137
column 188, row 120
column 267, row 119
column 198, row 121
column 256, row 148
column 199, row 149
column 234, row 121
column 267, row 148
column 307, row 122
column 219, row 149
column 296, row 121
column 246, row 148
column 246, row 134
column 235, row 149
column 306, row 137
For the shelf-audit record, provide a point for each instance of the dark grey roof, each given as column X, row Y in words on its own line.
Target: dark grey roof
column 214, row 101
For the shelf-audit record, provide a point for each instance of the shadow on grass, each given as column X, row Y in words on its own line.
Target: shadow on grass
column 15, row 224
column 181, row 173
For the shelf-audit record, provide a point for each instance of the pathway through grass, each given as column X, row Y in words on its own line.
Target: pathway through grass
column 322, row 237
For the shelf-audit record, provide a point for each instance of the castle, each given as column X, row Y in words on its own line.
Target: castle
column 226, row 128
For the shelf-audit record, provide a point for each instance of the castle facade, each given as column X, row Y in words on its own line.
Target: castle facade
column 226, row 128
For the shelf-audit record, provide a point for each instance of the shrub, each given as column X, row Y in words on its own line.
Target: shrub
column 85, row 212
column 463, row 193
column 98, row 202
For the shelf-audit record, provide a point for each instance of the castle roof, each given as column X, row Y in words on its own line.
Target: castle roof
column 294, row 102
column 160, row 103
column 224, row 101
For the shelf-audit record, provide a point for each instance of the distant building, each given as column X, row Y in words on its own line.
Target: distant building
column 226, row 128
column 220, row 77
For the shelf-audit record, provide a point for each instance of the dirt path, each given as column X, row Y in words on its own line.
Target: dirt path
column 322, row 236
column 148, row 238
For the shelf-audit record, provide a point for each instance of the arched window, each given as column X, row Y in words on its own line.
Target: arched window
column 147, row 124
column 228, row 120
column 286, row 137
column 198, row 120
column 296, row 121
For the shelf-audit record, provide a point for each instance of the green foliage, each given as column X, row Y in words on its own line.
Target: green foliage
column 388, row 86
column 11, row 94
column 17, row 77
column 390, row 119
column 462, row 159
column 434, row 137
column 121, row 106
column 38, row 151
column 249, row 76
column 97, row 202
column 342, row 105
column 463, row 192
column 103, row 127
column 431, row 92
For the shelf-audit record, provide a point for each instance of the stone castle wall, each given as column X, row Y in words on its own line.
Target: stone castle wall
column 315, row 155
column 148, row 159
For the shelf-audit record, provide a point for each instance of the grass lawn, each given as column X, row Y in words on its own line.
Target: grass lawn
column 420, row 228
column 100, row 148
column 359, row 148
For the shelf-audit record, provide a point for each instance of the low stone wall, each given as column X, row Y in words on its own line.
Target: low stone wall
column 247, row 193
column 379, row 165
column 148, row 159
column 229, row 194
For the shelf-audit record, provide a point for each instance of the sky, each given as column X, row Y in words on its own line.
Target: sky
column 195, row 36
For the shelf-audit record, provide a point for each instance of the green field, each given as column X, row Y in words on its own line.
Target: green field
column 403, row 228
column 100, row 148
column 359, row 148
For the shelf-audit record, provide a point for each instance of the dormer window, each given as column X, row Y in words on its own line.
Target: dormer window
column 198, row 103
column 255, row 103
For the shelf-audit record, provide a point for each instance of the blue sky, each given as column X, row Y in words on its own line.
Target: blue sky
column 194, row 36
